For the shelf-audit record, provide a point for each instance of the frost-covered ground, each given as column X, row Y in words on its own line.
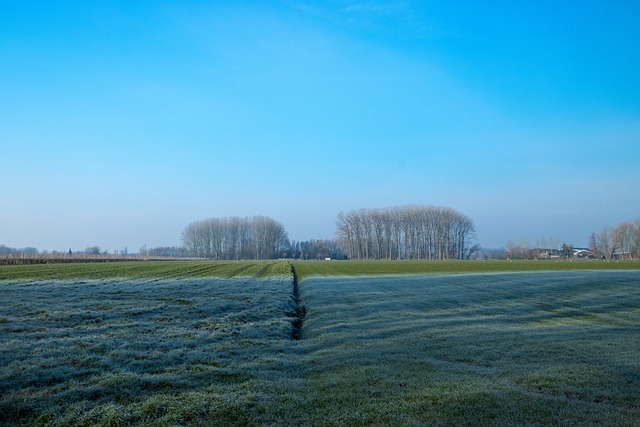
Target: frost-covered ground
column 482, row 349
column 164, row 352
column 490, row 349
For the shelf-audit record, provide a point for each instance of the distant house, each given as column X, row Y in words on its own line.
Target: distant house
column 622, row 255
column 582, row 253
column 549, row 254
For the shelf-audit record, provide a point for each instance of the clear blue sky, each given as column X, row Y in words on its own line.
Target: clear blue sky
column 121, row 122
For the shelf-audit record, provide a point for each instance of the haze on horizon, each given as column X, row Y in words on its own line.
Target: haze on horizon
column 122, row 122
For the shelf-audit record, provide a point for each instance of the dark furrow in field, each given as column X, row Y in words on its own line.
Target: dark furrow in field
column 300, row 311
column 211, row 270
column 193, row 272
column 264, row 271
column 239, row 271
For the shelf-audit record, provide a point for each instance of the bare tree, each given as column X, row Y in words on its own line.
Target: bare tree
column 637, row 238
column 411, row 232
column 623, row 237
column 605, row 244
column 593, row 245
column 235, row 238
column 509, row 249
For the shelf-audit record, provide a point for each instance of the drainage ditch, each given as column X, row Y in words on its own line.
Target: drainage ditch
column 299, row 311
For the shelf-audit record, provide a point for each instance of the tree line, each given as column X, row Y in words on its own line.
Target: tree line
column 165, row 251
column 406, row 232
column 234, row 238
column 621, row 242
column 543, row 249
column 5, row 250
column 316, row 249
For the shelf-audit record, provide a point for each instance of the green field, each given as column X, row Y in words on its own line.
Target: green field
column 378, row 267
column 210, row 343
column 304, row 269
column 491, row 349
column 114, row 352
column 145, row 270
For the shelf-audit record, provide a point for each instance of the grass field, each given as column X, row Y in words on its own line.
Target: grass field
column 227, row 269
column 383, row 267
column 490, row 349
column 145, row 270
column 210, row 343
column 133, row 352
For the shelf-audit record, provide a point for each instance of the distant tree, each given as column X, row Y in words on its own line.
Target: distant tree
column 624, row 241
column 593, row 245
column 320, row 249
column 405, row 232
column 166, row 251
column 93, row 250
column 524, row 251
column 487, row 254
column 535, row 252
column 637, row 238
column 566, row 251
column 605, row 244
column 508, row 249
column 294, row 249
column 472, row 251
column 520, row 250
column 236, row 238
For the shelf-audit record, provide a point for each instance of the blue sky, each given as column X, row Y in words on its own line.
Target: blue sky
column 122, row 122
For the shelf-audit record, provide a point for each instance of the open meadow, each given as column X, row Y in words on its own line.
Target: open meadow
column 192, row 351
column 306, row 269
column 144, row 270
column 502, row 349
column 212, row 343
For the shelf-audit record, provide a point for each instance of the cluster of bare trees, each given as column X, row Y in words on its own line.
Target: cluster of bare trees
column 164, row 251
column 406, row 232
column 621, row 242
column 236, row 238
column 45, row 257
column 316, row 249
column 5, row 250
column 522, row 249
